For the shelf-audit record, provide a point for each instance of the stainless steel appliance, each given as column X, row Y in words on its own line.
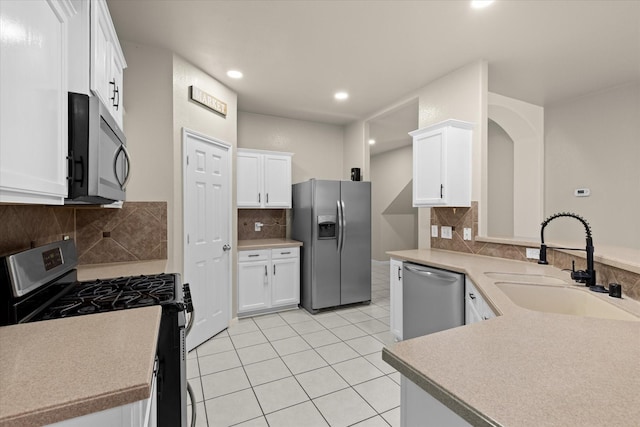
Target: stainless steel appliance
column 41, row 284
column 99, row 163
column 333, row 220
column 432, row 300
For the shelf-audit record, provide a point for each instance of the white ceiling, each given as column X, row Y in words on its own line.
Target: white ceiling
column 296, row 54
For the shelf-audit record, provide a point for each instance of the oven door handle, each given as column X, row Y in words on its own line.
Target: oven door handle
column 193, row 404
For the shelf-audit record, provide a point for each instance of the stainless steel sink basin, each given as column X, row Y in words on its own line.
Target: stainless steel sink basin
column 525, row 278
column 562, row 300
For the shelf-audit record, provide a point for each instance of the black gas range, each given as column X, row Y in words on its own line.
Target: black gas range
column 41, row 284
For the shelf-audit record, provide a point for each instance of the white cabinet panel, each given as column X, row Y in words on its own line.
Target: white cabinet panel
column 96, row 59
column 264, row 179
column 268, row 280
column 33, row 106
column 250, row 174
column 277, row 181
column 442, row 164
column 253, row 285
column 395, row 282
column 475, row 306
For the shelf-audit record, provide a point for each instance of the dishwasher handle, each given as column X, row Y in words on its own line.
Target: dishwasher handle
column 428, row 273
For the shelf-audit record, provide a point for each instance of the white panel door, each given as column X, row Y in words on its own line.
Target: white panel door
column 249, row 180
column 253, row 286
column 285, row 281
column 33, row 105
column 428, row 185
column 277, row 181
column 207, row 208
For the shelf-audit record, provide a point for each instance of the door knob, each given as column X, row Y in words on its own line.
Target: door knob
column 226, row 248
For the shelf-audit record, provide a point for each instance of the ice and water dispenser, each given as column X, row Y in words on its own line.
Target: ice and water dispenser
column 326, row 227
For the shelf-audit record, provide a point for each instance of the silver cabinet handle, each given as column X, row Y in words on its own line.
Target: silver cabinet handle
column 258, row 197
column 274, row 269
column 399, row 277
column 265, row 271
column 251, row 255
column 228, row 248
column 267, row 201
column 285, row 253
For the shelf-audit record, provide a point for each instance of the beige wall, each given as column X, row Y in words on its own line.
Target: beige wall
column 500, row 185
column 594, row 142
column 393, row 219
column 356, row 151
column 461, row 95
column 317, row 147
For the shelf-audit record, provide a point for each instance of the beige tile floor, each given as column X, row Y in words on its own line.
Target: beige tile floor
column 295, row 369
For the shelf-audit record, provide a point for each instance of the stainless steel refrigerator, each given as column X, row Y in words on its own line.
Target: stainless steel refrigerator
column 333, row 220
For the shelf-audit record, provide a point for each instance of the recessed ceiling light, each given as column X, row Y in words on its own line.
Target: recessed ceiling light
column 234, row 74
column 341, row 96
column 480, row 4
column 372, row 141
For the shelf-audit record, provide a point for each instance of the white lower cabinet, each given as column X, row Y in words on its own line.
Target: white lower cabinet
column 395, row 284
column 419, row 408
column 137, row 414
column 476, row 308
column 268, row 280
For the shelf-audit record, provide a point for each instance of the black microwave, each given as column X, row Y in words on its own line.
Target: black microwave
column 99, row 163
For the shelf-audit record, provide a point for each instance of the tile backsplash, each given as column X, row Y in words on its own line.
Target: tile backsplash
column 274, row 224
column 460, row 218
column 137, row 232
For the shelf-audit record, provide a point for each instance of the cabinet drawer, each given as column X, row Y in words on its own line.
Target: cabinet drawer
column 284, row 253
column 257, row 255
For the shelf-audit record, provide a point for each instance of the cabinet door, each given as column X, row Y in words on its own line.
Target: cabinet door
column 249, row 180
column 277, row 181
column 285, row 281
column 101, row 52
column 253, row 286
column 428, row 171
column 395, row 282
column 117, row 102
column 33, row 108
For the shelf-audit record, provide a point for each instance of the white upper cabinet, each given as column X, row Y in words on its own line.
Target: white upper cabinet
column 442, row 164
column 33, row 111
column 264, row 179
column 96, row 60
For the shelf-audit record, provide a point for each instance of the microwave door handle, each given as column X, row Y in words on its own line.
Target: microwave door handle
column 128, row 159
column 115, row 165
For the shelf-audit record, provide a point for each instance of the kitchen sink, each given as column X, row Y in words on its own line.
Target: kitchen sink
column 525, row 278
column 562, row 300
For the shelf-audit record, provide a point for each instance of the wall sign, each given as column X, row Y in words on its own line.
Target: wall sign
column 209, row 101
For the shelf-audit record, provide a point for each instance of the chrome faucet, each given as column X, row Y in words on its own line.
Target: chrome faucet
column 587, row 276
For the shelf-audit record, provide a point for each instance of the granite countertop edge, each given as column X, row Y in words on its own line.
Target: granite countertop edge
column 79, row 402
column 257, row 244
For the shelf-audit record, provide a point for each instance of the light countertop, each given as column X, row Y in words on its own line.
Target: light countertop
column 59, row 369
column 251, row 245
column 525, row 368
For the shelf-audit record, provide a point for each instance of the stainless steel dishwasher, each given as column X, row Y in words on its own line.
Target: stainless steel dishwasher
column 432, row 300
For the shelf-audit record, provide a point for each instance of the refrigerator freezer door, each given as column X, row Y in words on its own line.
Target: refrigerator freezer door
column 355, row 265
column 325, row 280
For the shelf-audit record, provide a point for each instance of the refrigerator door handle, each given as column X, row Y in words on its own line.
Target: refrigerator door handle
column 344, row 226
column 340, row 225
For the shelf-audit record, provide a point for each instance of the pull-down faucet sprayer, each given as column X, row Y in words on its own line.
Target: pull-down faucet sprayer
column 587, row 276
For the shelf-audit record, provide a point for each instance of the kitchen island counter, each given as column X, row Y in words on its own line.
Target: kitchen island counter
column 64, row 368
column 524, row 367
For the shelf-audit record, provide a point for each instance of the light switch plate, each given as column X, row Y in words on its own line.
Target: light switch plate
column 446, row 232
column 434, row 231
column 467, row 234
